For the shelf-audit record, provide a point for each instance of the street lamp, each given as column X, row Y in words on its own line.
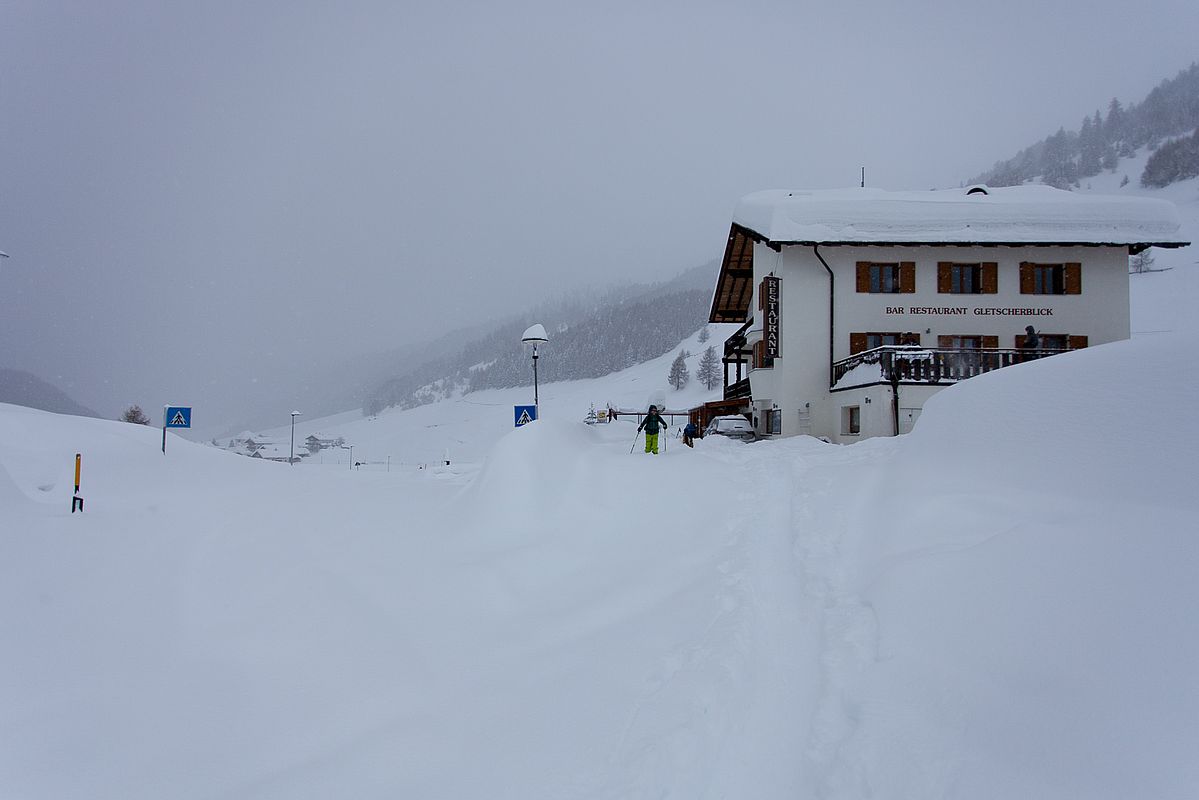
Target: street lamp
column 535, row 335
column 292, row 458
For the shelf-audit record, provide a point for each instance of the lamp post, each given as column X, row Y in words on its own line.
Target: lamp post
column 535, row 335
column 292, row 458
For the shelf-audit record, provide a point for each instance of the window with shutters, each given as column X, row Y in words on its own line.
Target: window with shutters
column 979, row 278
column 874, row 340
column 967, row 342
column 1054, row 341
column 966, row 279
column 884, row 278
column 1050, row 278
column 871, row 339
column 878, row 277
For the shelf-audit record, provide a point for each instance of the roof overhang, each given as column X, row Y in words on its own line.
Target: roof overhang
column 1133, row 247
column 734, row 286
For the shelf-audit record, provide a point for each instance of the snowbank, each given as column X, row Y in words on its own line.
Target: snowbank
column 1030, row 582
column 1000, row 604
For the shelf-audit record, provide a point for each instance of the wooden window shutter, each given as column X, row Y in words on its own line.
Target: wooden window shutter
column 909, row 338
column 944, row 277
column 1076, row 342
column 1027, row 283
column 907, row 277
column 991, row 342
column 759, row 349
column 863, row 276
column 857, row 343
column 1073, row 278
column 990, row 279
column 1019, row 341
column 944, row 341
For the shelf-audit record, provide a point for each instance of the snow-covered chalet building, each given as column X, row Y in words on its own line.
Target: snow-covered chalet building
column 855, row 306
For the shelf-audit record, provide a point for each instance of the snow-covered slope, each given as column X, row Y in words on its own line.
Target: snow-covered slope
column 984, row 610
column 469, row 425
column 999, row 610
column 1161, row 301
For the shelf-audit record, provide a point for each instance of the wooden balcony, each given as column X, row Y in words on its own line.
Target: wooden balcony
column 736, row 355
column 738, row 390
column 924, row 365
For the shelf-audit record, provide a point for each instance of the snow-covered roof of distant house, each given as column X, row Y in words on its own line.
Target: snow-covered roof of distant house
column 973, row 215
column 1016, row 216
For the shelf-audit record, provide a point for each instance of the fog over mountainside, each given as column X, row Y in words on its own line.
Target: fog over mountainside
column 589, row 337
column 25, row 389
column 1066, row 158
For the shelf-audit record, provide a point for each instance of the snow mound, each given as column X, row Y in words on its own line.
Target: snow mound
column 1081, row 423
column 1023, row 595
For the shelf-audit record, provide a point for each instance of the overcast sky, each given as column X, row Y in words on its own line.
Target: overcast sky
column 195, row 193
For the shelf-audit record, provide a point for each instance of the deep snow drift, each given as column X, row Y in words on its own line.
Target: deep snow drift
column 980, row 609
column 999, row 605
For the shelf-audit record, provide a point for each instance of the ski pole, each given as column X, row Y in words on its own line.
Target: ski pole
column 634, row 447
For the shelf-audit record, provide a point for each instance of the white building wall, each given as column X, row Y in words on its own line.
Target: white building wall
column 798, row 382
column 1100, row 312
column 800, row 375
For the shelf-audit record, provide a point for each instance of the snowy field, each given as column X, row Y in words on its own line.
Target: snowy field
column 998, row 609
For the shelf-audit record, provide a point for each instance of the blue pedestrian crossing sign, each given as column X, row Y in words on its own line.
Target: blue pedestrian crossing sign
column 524, row 414
column 177, row 417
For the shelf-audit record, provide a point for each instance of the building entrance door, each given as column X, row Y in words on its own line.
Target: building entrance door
column 907, row 419
column 805, row 423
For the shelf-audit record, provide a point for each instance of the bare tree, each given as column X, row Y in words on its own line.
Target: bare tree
column 1141, row 262
column 135, row 415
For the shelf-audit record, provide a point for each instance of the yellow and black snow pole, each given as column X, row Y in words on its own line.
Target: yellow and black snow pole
column 76, row 499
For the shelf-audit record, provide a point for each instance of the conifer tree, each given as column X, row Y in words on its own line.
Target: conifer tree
column 708, row 373
column 679, row 374
column 704, row 334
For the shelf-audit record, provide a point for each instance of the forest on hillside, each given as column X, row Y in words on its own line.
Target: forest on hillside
column 1063, row 159
column 586, row 340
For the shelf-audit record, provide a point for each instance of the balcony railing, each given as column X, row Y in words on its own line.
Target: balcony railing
column 911, row 364
column 736, row 356
column 738, row 390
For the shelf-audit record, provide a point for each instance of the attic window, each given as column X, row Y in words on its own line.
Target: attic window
column 977, row 190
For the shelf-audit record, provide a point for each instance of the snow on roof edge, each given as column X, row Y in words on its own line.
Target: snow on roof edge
column 1014, row 215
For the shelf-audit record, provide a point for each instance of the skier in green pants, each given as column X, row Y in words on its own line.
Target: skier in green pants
column 652, row 422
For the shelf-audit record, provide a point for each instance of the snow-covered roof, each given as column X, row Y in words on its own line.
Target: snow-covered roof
column 973, row 215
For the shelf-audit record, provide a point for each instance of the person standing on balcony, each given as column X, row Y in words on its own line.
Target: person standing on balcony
column 1031, row 344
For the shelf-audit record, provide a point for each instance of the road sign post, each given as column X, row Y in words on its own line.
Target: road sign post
column 174, row 417
column 524, row 414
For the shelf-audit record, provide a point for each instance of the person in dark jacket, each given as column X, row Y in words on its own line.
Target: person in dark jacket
column 689, row 434
column 1030, row 344
column 652, row 424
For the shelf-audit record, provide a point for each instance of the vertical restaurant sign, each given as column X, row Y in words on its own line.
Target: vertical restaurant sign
column 770, row 317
